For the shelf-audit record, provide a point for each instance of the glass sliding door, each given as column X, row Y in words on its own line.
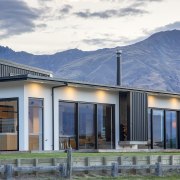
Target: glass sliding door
column 86, row 126
column 8, row 124
column 35, row 124
column 105, row 127
column 171, row 133
column 67, row 114
column 158, row 129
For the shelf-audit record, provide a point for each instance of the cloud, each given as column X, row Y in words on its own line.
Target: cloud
column 65, row 10
column 129, row 11
column 167, row 27
column 16, row 17
column 149, row 0
column 134, row 3
column 107, row 41
column 132, row 10
column 172, row 26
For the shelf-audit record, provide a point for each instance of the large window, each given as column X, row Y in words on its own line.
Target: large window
column 8, row 124
column 105, row 127
column 162, row 131
column 171, row 129
column 67, row 136
column 35, row 124
column 86, row 125
column 158, row 129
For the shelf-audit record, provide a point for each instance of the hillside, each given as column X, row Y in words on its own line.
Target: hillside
column 153, row 63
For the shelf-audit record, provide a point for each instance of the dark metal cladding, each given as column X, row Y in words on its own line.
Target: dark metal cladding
column 138, row 116
column 12, row 69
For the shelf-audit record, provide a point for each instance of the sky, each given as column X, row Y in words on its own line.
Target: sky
column 49, row 26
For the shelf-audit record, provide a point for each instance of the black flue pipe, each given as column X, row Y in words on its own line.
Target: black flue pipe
column 119, row 68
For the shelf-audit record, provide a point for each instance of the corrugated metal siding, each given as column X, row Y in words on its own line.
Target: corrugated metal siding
column 138, row 117
column 6, row 70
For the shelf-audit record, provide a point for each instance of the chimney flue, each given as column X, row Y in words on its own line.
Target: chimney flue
column 119, row 68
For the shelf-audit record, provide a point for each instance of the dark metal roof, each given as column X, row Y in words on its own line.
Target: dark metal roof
column 25, row 67
column 58, row 81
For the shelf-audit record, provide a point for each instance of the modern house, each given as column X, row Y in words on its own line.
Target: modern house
column 41, row 112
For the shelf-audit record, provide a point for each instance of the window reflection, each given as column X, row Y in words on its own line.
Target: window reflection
column 77, row 124
column 67, row 125
column 105, row 136
column 86, row 126
column 8, row 125
column 171, row 134
column 35, row 123
column 149, row 128
column 158, row 129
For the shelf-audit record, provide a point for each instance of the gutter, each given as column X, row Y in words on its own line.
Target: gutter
column 53, row 115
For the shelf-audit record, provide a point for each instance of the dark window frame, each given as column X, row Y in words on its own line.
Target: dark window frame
column 164, row 121
column 17, row 100
column 95, row 104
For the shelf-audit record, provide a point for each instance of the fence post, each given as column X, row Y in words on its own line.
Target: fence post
column 62, row 169
column 36, row 164
column 120, row 163
column 8, row 172
column 135, row 163
column 114, row 170
column 69, row 163
column 18, row 164
column 104, row 162
column 87, row 163
column 158, row 169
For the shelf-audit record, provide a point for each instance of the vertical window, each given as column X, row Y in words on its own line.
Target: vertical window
column 8, row 125
column 35, row 124
column 67, row 116
column 86, row 126
column 149, row 128
column 171, row 133
column 105, row 133
column 158, row 129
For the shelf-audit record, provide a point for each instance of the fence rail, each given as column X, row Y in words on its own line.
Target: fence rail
column 62, row 169
column 67, row 167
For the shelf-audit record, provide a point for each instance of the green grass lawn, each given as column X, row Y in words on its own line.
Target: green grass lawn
column 96, row 177
column 173, row 177
column 15, row 155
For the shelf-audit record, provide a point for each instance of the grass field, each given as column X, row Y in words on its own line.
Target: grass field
column 173, row 177
column 87, row 177
column 13, row 155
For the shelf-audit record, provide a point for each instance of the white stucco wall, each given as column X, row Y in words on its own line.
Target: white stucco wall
column 85, row 95
column 166, row 102
column 16, row 90
column 40, row 90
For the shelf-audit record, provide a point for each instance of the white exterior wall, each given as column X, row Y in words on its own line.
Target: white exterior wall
column 24, row 90
column 43, row 91
column 16, row 90
column 84, row 95
column 165, row 102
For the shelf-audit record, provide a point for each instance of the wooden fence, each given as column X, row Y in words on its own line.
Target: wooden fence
column 66, row 166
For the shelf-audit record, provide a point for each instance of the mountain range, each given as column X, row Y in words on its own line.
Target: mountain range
column 153, row 63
